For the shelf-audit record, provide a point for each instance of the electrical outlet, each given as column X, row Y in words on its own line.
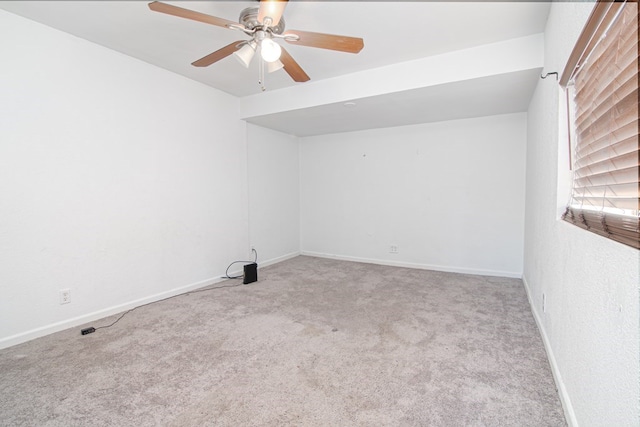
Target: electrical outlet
column 393, row 249
column 65, row 296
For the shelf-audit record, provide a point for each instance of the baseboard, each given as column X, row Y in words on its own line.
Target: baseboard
column 276, row 260
column 569, row 413
column 96, row 315
column 100, row 314
column 448, row 269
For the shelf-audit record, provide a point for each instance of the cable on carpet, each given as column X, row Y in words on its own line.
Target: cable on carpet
column 91, row 330
column 226, row 274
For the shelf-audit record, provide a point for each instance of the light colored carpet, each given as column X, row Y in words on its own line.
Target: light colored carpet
column 314, row 342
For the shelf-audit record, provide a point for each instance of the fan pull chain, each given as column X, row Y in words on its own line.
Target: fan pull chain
column 261, row 75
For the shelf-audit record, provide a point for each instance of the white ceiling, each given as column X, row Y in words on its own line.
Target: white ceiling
column 459, row 100
column 393, row 33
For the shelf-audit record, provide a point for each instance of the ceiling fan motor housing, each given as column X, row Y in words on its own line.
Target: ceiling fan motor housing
column 262, row 33
column 249, row 18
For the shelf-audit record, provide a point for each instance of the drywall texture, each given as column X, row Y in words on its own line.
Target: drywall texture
column 449, row 195
column 119, row 181
column 590, row 284
column 274, row 202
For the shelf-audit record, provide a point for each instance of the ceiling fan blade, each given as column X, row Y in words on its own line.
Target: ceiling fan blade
column 271, row 9
column 327, row 41
column 157, row 6
column 218, row 54
column 292, row 68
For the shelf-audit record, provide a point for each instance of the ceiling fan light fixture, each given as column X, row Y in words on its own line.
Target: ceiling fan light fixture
column 245, row 54
column 270, row 50
column 274, row 66
column 271, row 10
column 262, row 24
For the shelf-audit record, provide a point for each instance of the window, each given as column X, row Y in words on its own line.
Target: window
column 601, row 79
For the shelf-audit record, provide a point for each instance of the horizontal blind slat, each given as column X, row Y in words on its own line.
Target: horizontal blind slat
column 597, row 142
column 620, row 115
column 605, row 197
column 622, row 32
column 627, row 190
column 624, row 161
column 627, row 203
column 601, row 16
column 599, row 103
column 604, row 102
column 619, row 176
column 600, row 75
column 601, row 150
column 616, row 227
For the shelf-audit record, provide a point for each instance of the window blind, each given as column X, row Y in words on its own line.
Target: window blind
column 602, row 78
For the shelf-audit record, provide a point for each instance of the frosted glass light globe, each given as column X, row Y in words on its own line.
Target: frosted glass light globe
column 274, row 66
column 270, row 51
column 245, row 54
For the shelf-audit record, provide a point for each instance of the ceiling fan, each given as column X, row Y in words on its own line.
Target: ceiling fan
column 263, row 24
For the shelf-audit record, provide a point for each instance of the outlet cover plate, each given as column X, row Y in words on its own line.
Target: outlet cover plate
column 65, row 296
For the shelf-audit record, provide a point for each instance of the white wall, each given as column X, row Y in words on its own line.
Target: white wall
column 450, row 195
column 591, row 322
column 274, row 202
column 118, row 180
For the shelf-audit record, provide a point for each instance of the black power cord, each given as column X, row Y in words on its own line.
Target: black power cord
column 91, row 330
column 226, row 274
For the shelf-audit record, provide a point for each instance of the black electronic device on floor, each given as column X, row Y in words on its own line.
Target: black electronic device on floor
column 250, row 273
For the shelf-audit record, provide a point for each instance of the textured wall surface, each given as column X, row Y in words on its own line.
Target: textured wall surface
column 449, row 195
column 589, row 283
column 274, row 201
column 118, row 180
